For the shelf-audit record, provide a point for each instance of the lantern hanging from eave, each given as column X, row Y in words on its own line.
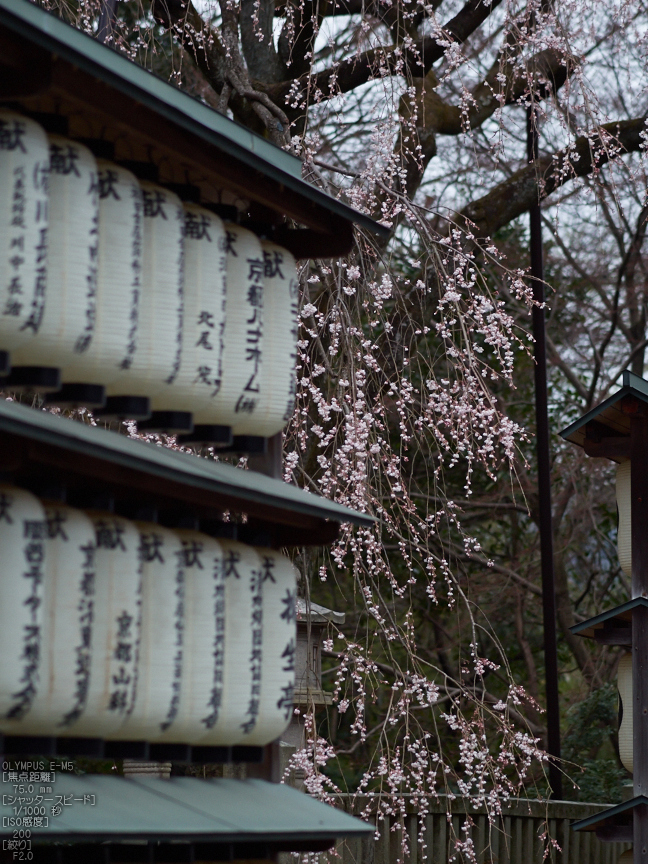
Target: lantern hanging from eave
column 280, row 312
column 274, row 669
column 200, row 375
column 203, row 635
column 115, row 636
column 69, row 612
column 22, row 540
column 119, row 268
column 238, row 394
column 156, row 362
column 231, row 710
column 24, row 168
column 160, row 653
column 624, row 507
column 68, row 318
column 624, row 683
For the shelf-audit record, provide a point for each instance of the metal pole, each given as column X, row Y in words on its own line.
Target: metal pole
column 639, row 513
column 544, row 480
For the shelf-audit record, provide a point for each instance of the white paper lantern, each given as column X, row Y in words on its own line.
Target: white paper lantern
column 225, row 723
column 624, row 506
column 277, row 586
column 156, row 362
column 200, row 375
column 119, row 269
column 116, row 630
column 22, row 544
column 280, row 313
column 624, row 684
column 69, row 612
column 68, row 320
column 161, row 647
column 203, row 635
column 24, row 168
column 238, row 395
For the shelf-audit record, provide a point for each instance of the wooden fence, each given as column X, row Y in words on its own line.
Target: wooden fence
column 515, row 838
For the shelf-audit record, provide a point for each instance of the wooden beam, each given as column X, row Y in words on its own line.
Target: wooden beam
column 614, row 636
column 614, row 833
column 608, row 448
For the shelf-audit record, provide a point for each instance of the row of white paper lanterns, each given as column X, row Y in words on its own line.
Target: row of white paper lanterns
column 118, row 283
column 130, row 631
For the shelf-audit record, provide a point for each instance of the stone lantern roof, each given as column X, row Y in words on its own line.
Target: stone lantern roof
column 317, row 614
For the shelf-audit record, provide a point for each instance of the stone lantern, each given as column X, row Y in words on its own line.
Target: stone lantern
column 312, row 625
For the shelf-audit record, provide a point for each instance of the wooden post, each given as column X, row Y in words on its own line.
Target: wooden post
column 271, row 463
column 639, row 491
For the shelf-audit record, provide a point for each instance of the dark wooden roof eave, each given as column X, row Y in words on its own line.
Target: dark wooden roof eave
column 38, row 449
column 41, row 57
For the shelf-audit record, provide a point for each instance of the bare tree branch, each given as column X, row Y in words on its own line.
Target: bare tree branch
column 415, row 60
column 514, row 196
